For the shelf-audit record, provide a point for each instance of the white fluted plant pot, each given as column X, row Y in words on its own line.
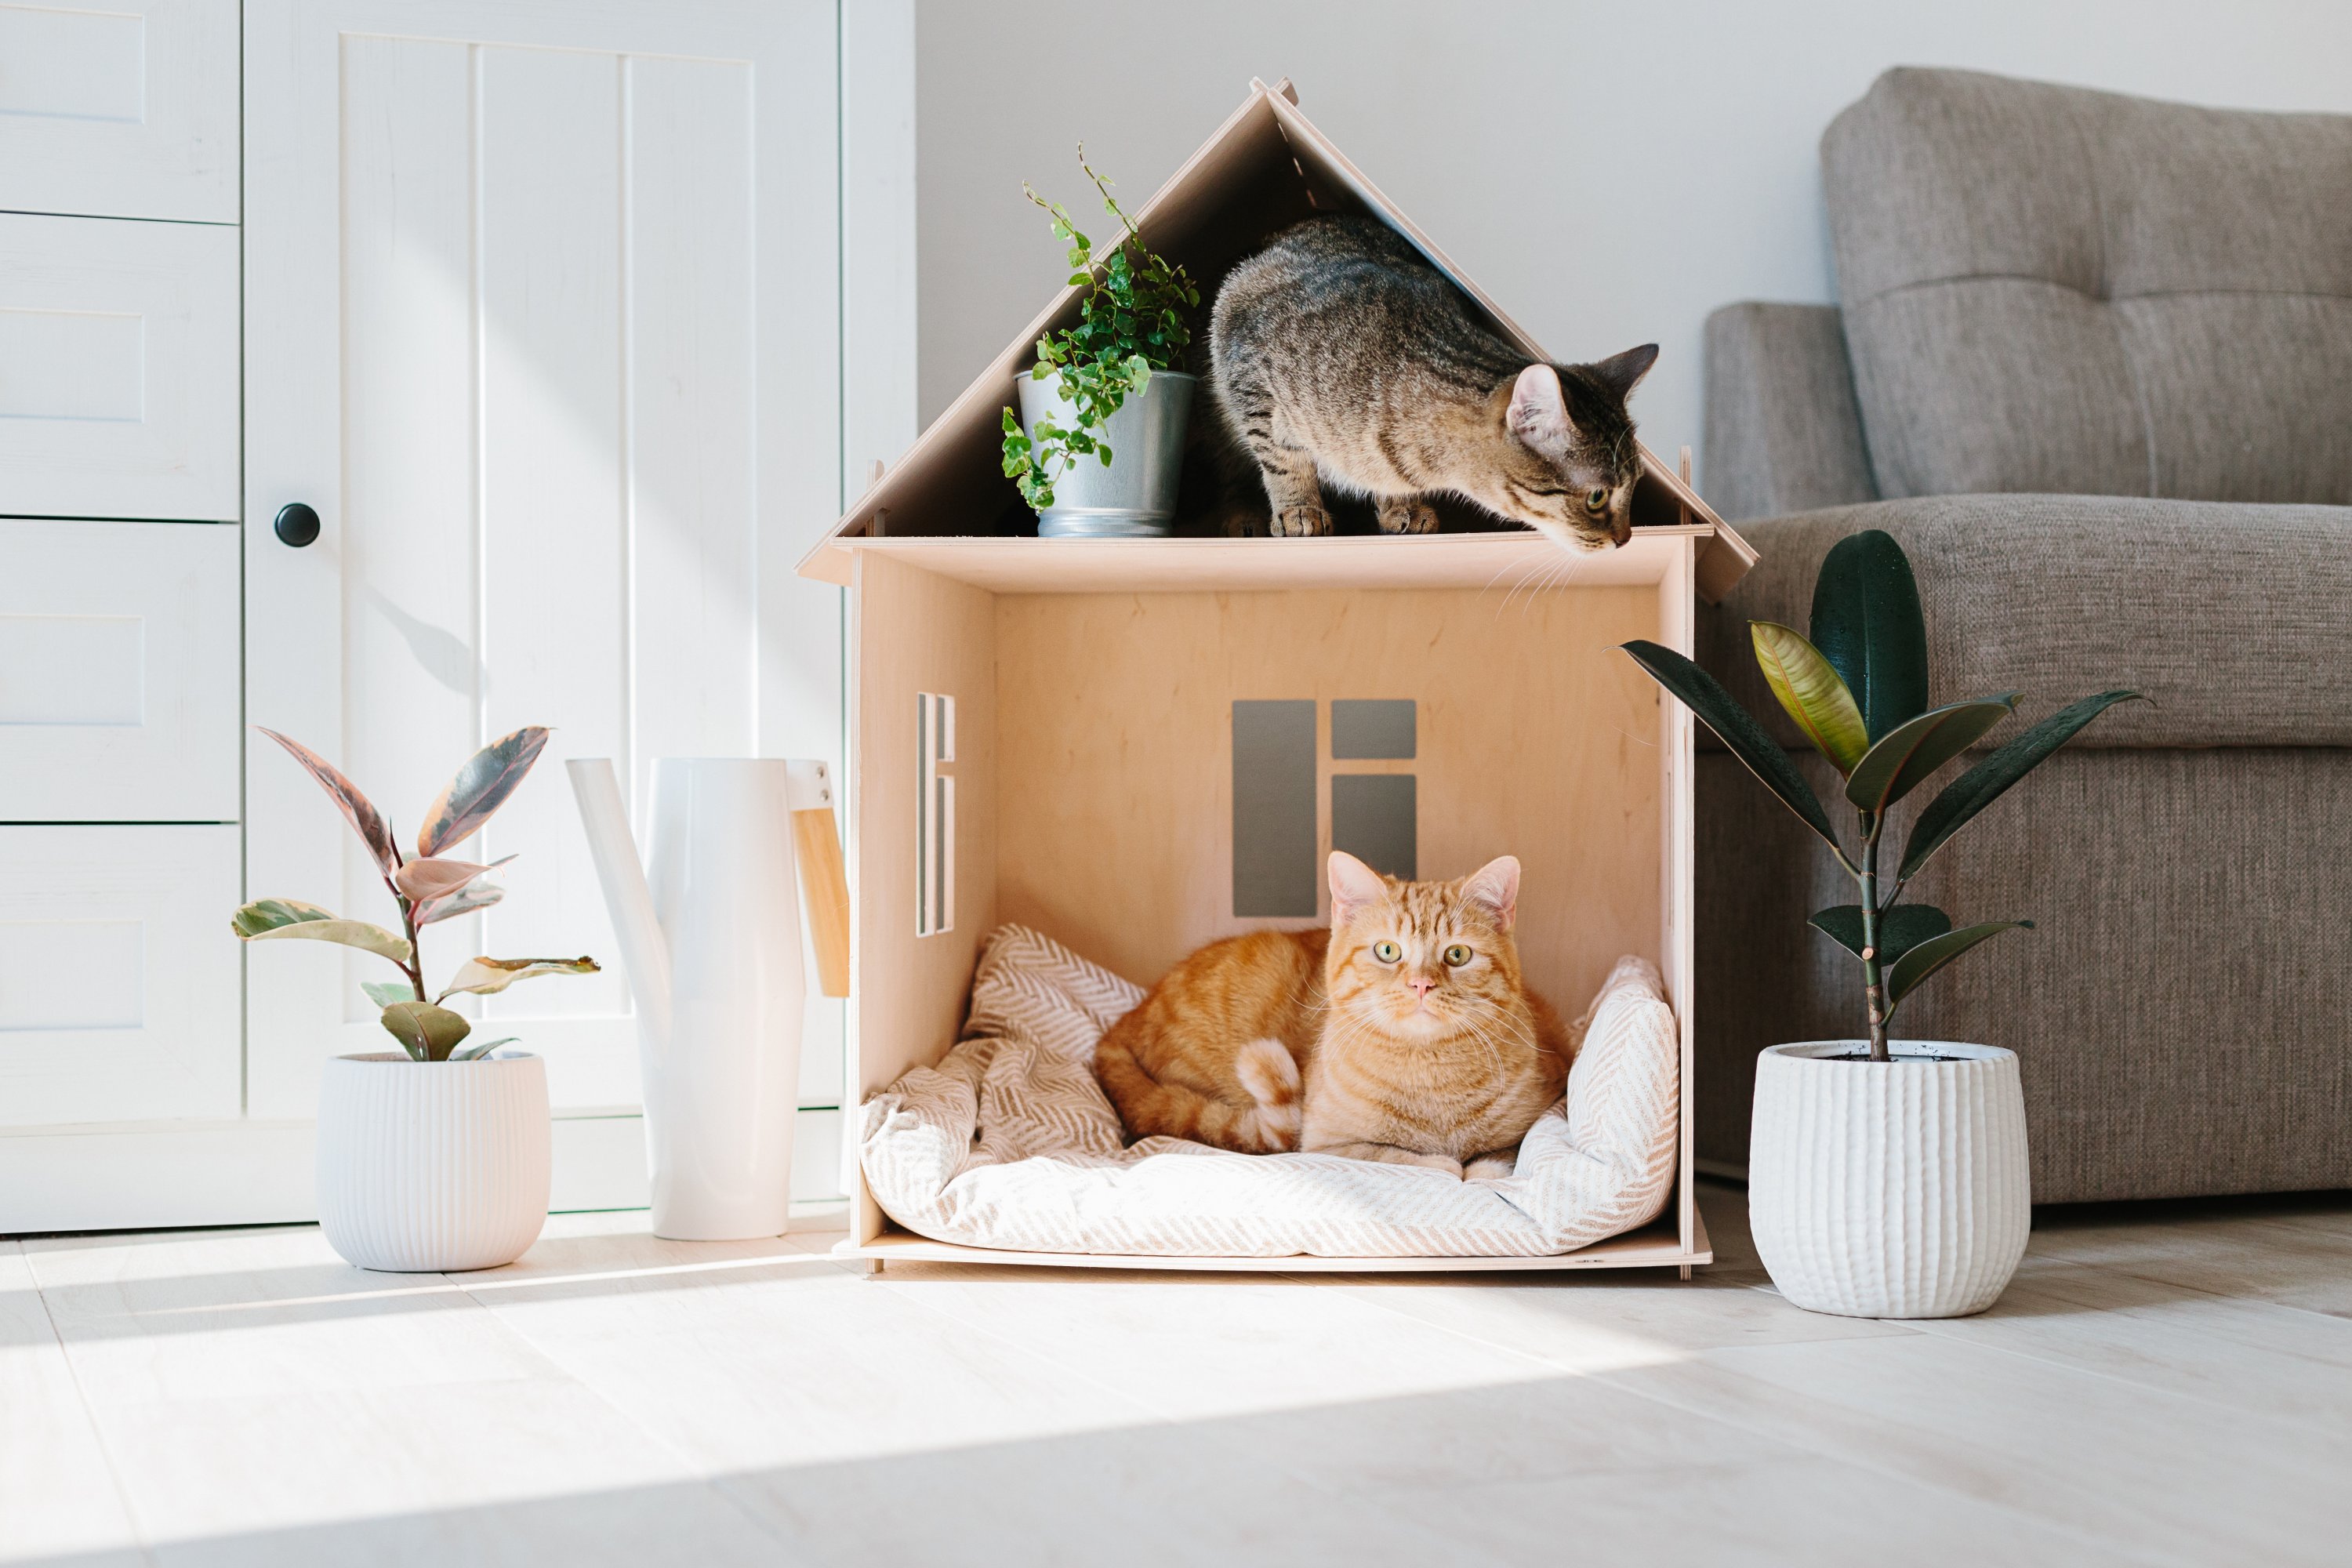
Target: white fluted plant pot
column 1889, row 1189
column 427, row 1166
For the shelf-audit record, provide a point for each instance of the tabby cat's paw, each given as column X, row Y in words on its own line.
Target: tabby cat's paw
column 1489, row 1168
column 1408, row 517
column 1301, row 522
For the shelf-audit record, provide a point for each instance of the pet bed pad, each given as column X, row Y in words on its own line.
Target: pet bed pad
column 1010, row 1143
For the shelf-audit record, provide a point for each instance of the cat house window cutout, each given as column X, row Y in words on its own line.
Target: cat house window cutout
column 1153, row 742
column 934, row 832
column 1277, row 872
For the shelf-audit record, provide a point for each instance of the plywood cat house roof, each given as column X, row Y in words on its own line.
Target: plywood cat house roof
column 1266, row 168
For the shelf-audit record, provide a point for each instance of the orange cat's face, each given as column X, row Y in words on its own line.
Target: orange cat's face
column 1422, row 960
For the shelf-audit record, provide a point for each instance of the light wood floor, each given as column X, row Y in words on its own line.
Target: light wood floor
column 2161, row 1385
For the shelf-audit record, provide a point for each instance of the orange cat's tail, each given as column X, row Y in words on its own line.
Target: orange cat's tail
column 1269, row 1124
column 1270, row 1073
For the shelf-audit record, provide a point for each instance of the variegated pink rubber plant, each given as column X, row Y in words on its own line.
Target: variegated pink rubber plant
column 430, row 886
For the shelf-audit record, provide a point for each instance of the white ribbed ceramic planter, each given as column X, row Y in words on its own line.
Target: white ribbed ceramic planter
column 424, row 1166
column 1889, row 1189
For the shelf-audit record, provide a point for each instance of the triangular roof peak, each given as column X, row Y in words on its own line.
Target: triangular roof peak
column 1266, row 168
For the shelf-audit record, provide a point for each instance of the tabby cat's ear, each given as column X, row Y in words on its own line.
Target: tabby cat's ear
column 1496, row 886
column 1539, row 416
column 1353, row 885
column 1624, row 372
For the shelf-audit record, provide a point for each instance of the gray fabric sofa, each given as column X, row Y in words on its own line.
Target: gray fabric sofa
column 2092, row 367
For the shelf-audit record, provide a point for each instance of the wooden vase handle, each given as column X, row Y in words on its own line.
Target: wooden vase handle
column 824, row 894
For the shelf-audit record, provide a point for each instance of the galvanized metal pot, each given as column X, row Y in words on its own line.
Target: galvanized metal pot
column 1134, row 497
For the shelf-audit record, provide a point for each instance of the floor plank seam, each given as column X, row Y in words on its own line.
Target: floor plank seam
column 1837, row 1455
column 114, row 1477
column 2049, row 1359
column 2147, row 1275
column 702, row 1474
column 1088, row 1378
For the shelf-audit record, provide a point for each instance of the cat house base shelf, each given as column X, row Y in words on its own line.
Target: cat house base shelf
column 1137, row 746
column 1655, row 1246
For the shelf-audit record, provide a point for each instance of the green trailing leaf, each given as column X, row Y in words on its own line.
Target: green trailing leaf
column 465, row 901
column 427, row 1032
column 480, row 787
column 1985, row 783
column 1811, row 692
column 1867, row 623
column 386, row 992
column 1902, row 762
column 1933, row 955
column 1131, row 321
column 1900, row 929
column 1706, row 696
column 486, row 976
column 270, row 914
column 362, row 813
column 477, row 1051
column 350, row 934
column 437, row 879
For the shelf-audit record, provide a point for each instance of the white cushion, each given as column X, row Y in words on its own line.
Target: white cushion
column 1010, row 1143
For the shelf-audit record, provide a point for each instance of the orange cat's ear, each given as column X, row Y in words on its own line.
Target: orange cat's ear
column 1496, row 886
column 1355, row 884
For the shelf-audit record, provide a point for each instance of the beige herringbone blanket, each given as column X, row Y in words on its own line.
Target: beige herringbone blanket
column 1010, row 1143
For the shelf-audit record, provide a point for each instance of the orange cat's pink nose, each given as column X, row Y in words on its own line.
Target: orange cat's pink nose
column 1421, row 987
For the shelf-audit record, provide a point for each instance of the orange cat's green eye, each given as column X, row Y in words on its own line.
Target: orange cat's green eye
column 1457, row 955
column 1596, row 500
column 1387, row 952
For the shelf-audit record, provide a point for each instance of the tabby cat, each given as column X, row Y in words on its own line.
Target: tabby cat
column 1339, row 356
column 1404, row 1033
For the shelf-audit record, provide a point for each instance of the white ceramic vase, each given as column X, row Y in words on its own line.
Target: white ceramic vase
column 710, row 930
column 1889, row 1189
column 427, row 1166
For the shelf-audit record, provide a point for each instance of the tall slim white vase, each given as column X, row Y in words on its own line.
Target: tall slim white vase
column 711, row 934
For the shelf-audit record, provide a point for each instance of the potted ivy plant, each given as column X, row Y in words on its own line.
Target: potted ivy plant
column 1112, row 389
column 1886, row 1178
column 434, row 1156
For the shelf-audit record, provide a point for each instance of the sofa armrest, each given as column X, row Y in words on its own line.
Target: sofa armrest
column 1782, row 431
column 2231, row 617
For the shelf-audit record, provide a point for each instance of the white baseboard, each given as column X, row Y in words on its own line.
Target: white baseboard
column 162, row 1176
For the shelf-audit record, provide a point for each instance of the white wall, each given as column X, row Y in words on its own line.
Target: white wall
column 1608, row 171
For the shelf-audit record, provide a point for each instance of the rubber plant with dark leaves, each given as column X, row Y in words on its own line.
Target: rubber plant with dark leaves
column 1858, row 689
column 430, row 886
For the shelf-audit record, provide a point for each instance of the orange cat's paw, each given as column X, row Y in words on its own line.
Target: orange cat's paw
column 1489, row 1168
column 1269, row 1072
column 1277, row 1129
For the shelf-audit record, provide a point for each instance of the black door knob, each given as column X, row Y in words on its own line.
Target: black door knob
column 297, row 524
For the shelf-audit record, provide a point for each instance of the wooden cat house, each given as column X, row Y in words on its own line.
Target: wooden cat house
column 1137, row 745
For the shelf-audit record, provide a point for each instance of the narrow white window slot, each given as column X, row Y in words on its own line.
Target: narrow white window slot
column 935, row 854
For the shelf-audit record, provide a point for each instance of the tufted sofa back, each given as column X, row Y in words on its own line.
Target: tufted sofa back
column 2047, row 289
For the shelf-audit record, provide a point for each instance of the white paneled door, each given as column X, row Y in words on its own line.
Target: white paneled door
column 542, row 321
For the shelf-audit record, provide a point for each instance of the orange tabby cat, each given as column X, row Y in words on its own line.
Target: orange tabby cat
column 1404, row 1033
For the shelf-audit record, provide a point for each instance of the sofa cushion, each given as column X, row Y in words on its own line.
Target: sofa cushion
column 2235, row 620
column 1782, row 433
column 2052, row 289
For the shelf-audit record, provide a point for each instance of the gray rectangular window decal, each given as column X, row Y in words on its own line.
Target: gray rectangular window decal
column 1372, row 818
column 1273, row 809
column 1363, row 729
